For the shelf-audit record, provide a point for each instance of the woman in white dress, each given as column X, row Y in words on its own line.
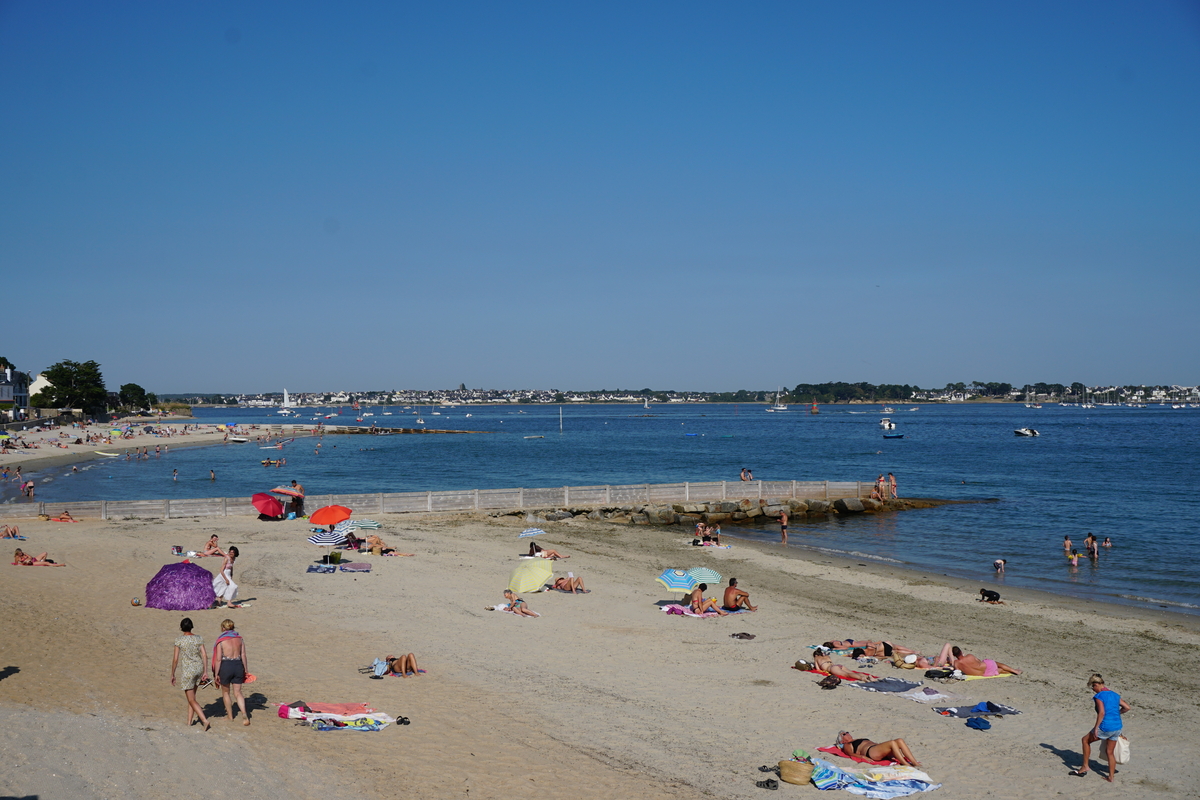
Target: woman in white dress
column 223, row 584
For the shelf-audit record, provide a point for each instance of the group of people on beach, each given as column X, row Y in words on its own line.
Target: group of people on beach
column 885, row 488
column 230, row 667
column 1091, row 546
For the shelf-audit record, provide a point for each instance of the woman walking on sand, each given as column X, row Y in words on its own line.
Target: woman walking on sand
column 1109, row 708
column 189, row 653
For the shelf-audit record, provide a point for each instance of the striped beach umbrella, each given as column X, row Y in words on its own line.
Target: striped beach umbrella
column 530, row 532
column 529, row 575
column 705, row 575
column 676, row 580
column 331, row 538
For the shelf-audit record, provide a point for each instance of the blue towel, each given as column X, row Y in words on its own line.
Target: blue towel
column 979, row 724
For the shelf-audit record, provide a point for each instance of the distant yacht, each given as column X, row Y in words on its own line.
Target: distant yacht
column 777, row 406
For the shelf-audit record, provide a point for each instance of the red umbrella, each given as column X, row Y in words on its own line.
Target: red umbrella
column 267, row 505
column 329, row 515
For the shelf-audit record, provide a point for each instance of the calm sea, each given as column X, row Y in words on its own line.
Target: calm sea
column 1129, row 474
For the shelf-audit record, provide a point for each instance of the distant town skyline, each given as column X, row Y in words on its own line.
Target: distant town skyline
column 693, row 195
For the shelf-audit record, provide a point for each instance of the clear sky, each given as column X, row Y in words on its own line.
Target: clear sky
column 230, row 196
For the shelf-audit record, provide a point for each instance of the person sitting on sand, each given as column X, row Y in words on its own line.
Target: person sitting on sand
column 971, row 665
column 402, row 665
column 211, row 548
column 516, row 605
column 11, row 532
column 536, row 549
column 20, row 558
column 735, row 598
column 572, row 585
column 700, row 605
column 65, row 516
column 893, row 749
column 989, row 596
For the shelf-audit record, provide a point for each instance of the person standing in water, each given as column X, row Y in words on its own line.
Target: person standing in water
column 783, row 520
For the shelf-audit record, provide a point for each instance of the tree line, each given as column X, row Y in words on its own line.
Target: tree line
column 76, row 384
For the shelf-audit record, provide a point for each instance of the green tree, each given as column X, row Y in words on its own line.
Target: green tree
column 74, row 385
column 6, row 364
column 133, row 396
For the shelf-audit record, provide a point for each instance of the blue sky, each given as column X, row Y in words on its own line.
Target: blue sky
column 234, row 197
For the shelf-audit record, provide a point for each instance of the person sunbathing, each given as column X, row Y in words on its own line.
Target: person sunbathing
column 20, row 558
column 402, row 665
column 821, row 662
column 699, row 605
column 380, row 547
column 971, row 665
column 572, row 585
column 12, row 532
column 536, row 549
column 893, row 749
column 212, row 548
column 65, row 516
column 516, row 605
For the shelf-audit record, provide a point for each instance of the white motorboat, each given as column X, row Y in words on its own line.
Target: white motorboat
column 887, row 424
column 1026, row 432
column 889, row 410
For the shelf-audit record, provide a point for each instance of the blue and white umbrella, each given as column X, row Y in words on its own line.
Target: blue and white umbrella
column 705, row 575
column 676, row 580
column 530, row 532
column 331, row 538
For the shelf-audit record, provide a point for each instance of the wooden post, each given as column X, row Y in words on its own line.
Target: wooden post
column 724, row 491
column 760, row 483
column 166, row 509
column 521, row 497
column 647, row 493
column 687, row 492
column 608, row 495
column 826, row 490
column 224, row 506
column 476, row 499
column 566, row 492
column 103, row 509
column 429, row 501
column 793, row 490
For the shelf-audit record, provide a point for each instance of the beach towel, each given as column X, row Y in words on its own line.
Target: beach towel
column 888, row 685
column 340, row 708
column 879, row 782
column 322, row 568
column 686, row 611
column 365, row 724
column 983, row 709
column 928, row 694
column 356, row 566
column 857, row 759
column 844, row 652
column 981, row 677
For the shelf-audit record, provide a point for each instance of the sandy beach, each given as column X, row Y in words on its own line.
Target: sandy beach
column 57, row 446
column 603, row 696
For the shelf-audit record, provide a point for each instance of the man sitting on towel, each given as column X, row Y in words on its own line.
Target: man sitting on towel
column 735, row 598
column 700, row 605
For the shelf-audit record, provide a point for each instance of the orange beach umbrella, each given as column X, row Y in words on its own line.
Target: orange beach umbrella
column 329, row 515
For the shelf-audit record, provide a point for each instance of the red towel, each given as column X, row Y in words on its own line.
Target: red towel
column 837, row 752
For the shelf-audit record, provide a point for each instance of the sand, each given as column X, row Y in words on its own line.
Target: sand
column 57, row 446
column 604, row 696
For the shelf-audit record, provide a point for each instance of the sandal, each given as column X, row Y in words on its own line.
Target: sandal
column 402, row 721
column 769, row 783
column 768, row 768
column 1078, row 773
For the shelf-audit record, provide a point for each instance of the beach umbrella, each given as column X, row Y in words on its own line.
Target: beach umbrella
column 267, row 505
column 676, row 580
column 287, row 490
column 182, row 586
column 705, row 575
column 530, row 575
column 331, row 538
column 530, row 532
column 329, row 515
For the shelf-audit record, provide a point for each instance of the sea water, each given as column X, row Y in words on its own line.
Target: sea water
column 1125, row 473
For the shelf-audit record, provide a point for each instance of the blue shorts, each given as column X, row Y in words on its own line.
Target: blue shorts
column 1103, row 734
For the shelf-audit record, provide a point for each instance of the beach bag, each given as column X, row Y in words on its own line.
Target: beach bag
column 829, row 682
column 938, row 673
column 1121, row 751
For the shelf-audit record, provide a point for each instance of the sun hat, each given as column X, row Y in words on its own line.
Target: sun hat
column 911, row 658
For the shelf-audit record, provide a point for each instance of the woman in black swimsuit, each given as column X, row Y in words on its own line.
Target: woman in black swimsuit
column 895, row 749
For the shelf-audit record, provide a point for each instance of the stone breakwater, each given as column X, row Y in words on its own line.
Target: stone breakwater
column 718, row 511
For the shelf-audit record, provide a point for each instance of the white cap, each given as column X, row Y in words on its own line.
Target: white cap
column 910, row 659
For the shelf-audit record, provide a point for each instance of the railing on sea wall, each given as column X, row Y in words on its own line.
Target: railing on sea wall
column 460, row 499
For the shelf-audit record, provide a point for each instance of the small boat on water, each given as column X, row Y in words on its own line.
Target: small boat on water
column 887, row 424
column 1026, row 432
column 893, row 436
column 535, row 437
column 889, row 410
column 238, row 439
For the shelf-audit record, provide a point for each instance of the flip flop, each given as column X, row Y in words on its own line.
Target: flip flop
column 402, row 720
column 769, row 783
column 1078, row 774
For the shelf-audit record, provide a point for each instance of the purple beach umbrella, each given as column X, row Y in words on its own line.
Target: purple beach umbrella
column 181, row 587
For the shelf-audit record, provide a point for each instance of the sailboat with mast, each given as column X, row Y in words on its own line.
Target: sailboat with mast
column 778, row 406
